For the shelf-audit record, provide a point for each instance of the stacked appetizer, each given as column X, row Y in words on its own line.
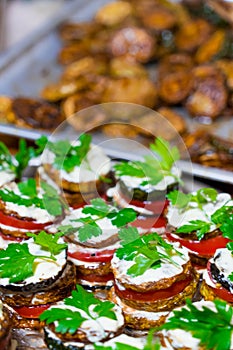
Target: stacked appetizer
column 12, row 167
column 143, row 185
column 92, row 236
column 151, row 278
column 34, row 274
column 81, row 320
column 79, row 168
column 196, row 220
column 199, row 326
column 24, row 207
column 5, row 327
column 218, row 277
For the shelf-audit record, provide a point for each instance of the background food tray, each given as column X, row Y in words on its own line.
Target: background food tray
column 30, row 65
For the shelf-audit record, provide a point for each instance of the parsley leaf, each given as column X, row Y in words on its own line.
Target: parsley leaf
column 100, row 210
column 49, row 242
column 145, row 254
column 80, row 299
column 151, row 168
column 16, row 262
column 128, row 234
column 68, row 156
column 208, row 326
column 201, row 197
column 179, row 199
column 201, row 227
column 18, row 163
column 51, row 201
column 168, row 155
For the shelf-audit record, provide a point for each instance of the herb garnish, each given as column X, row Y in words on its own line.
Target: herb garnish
column 49, row 200
column 144, row 252
column 220, row 218
column 214, row 329
column 97, row 210
column 69, row 321
column 16, row 261
column 16, row 164
column 152, row 169
column 67, row 156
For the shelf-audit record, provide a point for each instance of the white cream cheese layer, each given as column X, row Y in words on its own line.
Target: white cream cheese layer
column 96, row 329
column 95, row 164
column 135, row 182
column 166, row 270
column 180, row 338
column 6, row 176
column 177, row 218
column 223, row 260
column 43, row 268
column 37, row 214
column 108, row 229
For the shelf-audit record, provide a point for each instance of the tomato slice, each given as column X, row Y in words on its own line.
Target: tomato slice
column 156, row 207
column 148, row 222
column 31, row 311
column 18, row 223
column 96, row 278
column 175, row 289
column 206, row 247
column 98, row 256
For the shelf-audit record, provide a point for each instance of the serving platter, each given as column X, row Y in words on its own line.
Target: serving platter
column 29, row 66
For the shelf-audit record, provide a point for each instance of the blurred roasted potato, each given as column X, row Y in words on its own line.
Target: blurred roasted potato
column 209, row 95
column 122, row 67
column 113, row 13
column 133, row 42
column 132, row 90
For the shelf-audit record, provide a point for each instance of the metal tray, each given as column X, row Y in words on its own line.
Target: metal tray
column 31, row 64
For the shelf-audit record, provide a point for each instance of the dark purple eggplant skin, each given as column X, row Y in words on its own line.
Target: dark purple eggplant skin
column 219, row 278
column 57, row 344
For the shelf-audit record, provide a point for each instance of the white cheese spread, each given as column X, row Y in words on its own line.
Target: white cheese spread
column 166, row 270
column 177, row 218
column 6, row 176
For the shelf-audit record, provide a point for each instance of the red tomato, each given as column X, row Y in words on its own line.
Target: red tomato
column 221, row 292
column 31, row 311
column 96, row 278
column 157, row 207
column 98, row 256
column 18, row 223
column 148, row 222
column 176, row 288
column 206, row 247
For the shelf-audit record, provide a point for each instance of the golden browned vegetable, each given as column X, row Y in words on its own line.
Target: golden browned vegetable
column 133, row 90
column 113, row 13
column 192, row 34
column 133, row 42
column 209, row 96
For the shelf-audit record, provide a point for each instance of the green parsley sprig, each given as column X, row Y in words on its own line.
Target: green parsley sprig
column 16, row 261
column 18, row 163
column 144, row 251
column 49, row 199
column 213, row 329
column 183, row 201
column 97, row 210
column 69, row 321
column 68, row 156
column 153, row 168
column 220, row 218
